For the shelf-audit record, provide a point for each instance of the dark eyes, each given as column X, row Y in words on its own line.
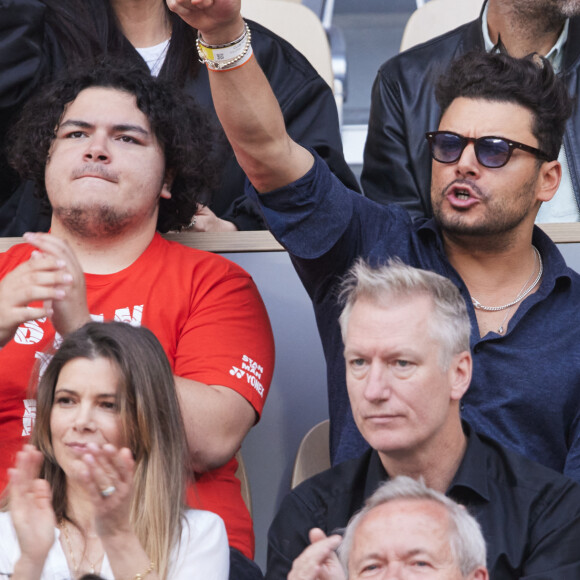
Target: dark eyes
column 83, row 134
column 127, row 139
column 75, row 135
column 63, row 401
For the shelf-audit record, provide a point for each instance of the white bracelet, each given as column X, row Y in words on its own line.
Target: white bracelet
column 226, row 56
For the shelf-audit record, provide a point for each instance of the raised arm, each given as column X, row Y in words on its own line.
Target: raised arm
column 244, row 102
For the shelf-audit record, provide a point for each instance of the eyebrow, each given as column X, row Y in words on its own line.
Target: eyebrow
column 73, row 392
column 117, row 128
column 417, row 551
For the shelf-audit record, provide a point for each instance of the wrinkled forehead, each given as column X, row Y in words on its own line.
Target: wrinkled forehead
column 401, row 527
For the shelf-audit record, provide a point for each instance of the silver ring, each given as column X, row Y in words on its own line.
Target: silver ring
column 191, row 224
column 108, row 491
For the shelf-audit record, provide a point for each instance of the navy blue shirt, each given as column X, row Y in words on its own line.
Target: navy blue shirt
column 525, row 390
column 529, row 515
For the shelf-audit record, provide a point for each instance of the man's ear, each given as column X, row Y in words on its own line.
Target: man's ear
column 479, row 574
column 548, row 180
column 165, row 191
column 167, row 184
column 460, row 374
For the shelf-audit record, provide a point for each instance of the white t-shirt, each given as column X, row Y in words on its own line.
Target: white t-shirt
column 154, row 56
column 202, row 554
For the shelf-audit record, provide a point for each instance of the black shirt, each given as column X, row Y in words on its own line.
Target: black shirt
column 529, row 514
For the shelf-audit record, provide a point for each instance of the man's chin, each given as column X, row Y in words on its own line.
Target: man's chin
column 456, row 223
column 95, row 221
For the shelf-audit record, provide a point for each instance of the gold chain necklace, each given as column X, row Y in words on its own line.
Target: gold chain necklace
column 76, row 567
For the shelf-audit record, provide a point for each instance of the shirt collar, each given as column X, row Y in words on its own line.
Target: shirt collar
column 472, row 473
column 376, row 474
column 554, row 264
column 555, row 54
column 471, row 477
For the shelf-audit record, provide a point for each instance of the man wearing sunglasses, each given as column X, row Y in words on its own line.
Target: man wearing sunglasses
column 397, row 164
column 522, row 299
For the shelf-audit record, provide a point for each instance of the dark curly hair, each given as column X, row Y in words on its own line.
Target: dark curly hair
column 529, row 82
column 187, row 137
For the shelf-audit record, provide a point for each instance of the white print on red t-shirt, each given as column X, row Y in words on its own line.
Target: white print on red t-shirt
column 32, row 333
column 29, row 416
column 253, row 372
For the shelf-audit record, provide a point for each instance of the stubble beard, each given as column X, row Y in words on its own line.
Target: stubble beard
column 498, row 221
column 545, row 15
column 95, row 221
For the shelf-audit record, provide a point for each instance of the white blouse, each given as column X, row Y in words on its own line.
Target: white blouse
column 202, row 553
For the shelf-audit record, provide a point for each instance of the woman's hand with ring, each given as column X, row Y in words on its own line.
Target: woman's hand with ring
column 107, row 473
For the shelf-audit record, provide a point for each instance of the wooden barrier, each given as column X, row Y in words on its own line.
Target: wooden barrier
column 263, row 241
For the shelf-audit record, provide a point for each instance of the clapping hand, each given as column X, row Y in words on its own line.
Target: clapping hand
column 319, row 561
column 31, row 509
column 43, row 278
column 68, row 309
column 107, row 474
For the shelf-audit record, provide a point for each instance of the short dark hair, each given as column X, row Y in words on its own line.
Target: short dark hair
column 529, row 82
column 183, row 130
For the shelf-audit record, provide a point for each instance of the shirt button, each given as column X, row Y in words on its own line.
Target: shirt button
column 476, row 348
column 462, row 406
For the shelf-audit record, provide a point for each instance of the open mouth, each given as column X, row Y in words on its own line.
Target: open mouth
column 462, row 194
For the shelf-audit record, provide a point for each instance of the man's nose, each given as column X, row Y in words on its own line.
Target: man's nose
column 378, row 383
column 394, row 571
column 467, row 165
column 97, row 149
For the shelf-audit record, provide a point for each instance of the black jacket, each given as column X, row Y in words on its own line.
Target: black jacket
column 397, row 163
column 31, row 54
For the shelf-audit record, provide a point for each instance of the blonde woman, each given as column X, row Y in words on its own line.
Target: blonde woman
column 100, row 489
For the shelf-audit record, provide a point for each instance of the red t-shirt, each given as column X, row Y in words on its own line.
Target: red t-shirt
column 208, row 315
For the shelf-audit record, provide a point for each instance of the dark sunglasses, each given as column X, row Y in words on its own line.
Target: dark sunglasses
column 494, row 152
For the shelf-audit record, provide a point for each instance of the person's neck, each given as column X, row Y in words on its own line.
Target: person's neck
column 106, row 255
column 144, row 22
column 437, row 463
column 80, row 509
column 522, row 32
column 492, row 267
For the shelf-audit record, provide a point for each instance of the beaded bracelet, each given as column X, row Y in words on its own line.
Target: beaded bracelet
column 222, row 57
